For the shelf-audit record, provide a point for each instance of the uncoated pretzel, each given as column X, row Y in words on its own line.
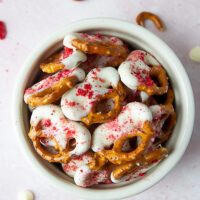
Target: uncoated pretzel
column 52, row 64
column 102, row 48
column 147, row 15
column 143, row 161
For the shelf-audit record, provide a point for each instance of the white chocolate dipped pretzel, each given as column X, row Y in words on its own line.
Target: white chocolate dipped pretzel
column 133, row 115
column 49, row 122
column 53, row 87
column 80, row 100
column 137, row 72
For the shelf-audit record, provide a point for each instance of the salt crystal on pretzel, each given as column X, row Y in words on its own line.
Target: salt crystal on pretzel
column 52, row 88
column 85, row 177
column 54, row 125
column 133, row 115
column 78, row 102
column 135, row 73
column 71, row 167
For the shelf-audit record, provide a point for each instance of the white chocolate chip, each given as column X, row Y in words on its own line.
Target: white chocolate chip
column 195, row 54
column 25, row 195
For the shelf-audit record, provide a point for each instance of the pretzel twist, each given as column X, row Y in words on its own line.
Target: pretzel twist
column 118, row 95
column 53, row 93
column 143, row 161
column 160, row 74
column 116, row 156
column 61, row 157
column 147, row 15
column 52, row 64
column 103, row 48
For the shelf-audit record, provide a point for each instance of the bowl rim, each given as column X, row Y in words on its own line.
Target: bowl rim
column 112, row 193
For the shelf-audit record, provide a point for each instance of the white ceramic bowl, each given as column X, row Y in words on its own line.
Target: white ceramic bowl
column 140, row 38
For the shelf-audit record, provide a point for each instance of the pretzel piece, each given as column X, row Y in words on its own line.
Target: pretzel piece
column 52, row 64
column 97, row 162
column 118, row 94
column 170, row 121
column 154, row 89
column 170, row 97
column 35, row 135
column 97, row 47
column 116, row 156
column 147, row 15
column 144, row 161
column 53, row 93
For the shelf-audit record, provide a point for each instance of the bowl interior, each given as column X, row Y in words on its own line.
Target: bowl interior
column 136, row 41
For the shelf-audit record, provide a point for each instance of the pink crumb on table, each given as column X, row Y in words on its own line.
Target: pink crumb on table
column 3, row 30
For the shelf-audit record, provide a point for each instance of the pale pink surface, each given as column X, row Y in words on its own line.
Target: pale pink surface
column 28, row 22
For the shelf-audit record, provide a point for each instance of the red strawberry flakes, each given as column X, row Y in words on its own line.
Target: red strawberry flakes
column 3, row 30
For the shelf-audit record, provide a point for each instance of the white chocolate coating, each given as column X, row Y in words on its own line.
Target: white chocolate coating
column 133, row 115
column 71, row 167
column 54, row 124
column 78, row 102
column 25, row 195
column 73, row 60
column 144, row 96
column 84, row 177
column 195, row 54
column 158, row 121
column 52, row 80
column 96, row 61
column 134, row 70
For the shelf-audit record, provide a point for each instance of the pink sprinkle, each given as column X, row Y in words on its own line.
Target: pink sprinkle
column 67, row 52
column 87, row 86
column 90, row 94
column 99, row 36
column 54, row 128
column 81, row 92
column 6, row 70
column 98, row 70
column 141, row 174
column 101, row 80
column 47, row 122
